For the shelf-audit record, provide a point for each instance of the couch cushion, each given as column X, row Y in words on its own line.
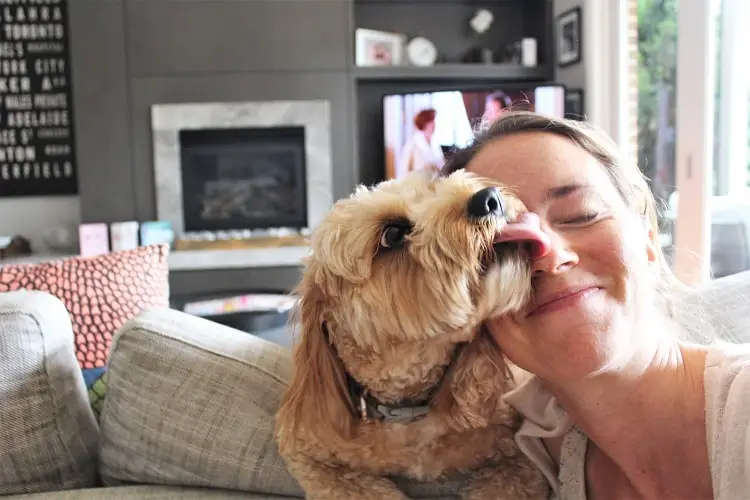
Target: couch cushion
column 147, row 493
column 191, row 402
column 48, row 435
column 720, row 310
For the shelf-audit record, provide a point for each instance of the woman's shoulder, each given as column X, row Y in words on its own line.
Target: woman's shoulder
column 727, row 369
column 726, row 360
column 727, row 390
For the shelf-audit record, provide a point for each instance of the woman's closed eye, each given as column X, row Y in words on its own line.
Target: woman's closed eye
column 582, row 218
column 579, row 210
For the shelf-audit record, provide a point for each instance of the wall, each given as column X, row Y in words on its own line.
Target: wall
column 33, row 217
column 129, row 54
column 603, row 71
column 575, row 76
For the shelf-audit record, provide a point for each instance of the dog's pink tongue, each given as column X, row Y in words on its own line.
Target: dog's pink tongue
column 527, row 229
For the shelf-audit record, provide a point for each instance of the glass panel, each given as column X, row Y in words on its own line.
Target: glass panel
column 730, row 205
column 657, row 94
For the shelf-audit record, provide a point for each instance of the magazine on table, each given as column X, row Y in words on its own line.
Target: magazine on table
column 260, row 302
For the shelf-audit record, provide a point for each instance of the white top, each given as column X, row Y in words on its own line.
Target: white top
column 727, row 386
column 419, row 154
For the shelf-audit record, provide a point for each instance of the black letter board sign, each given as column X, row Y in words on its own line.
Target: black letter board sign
column 37, row 144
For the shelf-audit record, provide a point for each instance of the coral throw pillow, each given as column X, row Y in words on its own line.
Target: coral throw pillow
column 101, row 293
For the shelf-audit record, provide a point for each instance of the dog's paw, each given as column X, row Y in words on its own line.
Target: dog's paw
column 519, row 481
column 366, row 491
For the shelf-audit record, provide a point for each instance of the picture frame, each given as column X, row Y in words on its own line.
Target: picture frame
column 379, row 48
column 574, row 104
column 568, row 33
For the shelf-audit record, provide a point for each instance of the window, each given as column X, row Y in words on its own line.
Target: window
column 693, row 140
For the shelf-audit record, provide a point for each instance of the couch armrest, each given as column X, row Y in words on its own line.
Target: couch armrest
column 48, row 433
column 191, row 402
column 718, row 310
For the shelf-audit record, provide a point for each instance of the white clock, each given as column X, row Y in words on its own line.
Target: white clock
column 421, row 51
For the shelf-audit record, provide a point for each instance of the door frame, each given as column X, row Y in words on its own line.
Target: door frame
column 694, row 128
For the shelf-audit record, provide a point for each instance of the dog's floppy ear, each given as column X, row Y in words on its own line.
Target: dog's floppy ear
column 317, row 401
column 470, row 393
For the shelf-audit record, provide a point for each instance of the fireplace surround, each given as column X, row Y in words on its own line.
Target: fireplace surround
column 241, row 170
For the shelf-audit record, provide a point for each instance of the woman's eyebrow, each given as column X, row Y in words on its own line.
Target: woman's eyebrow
column 563, row 191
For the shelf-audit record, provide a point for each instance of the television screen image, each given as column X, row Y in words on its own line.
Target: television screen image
column 422, row 130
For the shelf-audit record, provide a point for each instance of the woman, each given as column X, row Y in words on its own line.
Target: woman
column 420, row 151
column 619, row 407
column 495, row 105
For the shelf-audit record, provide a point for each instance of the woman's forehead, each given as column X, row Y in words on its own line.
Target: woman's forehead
column 533, row 163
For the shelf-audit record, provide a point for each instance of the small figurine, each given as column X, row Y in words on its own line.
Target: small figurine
column 18, row 246
column 480, row 23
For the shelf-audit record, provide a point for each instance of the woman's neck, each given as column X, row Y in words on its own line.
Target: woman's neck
column 648, row 415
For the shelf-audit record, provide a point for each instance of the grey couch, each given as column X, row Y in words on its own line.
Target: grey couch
column 189, row 409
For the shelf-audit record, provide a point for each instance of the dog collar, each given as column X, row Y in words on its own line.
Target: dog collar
column 371, row 408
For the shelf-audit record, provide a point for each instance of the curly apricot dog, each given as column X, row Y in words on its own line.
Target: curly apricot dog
column 394, row 374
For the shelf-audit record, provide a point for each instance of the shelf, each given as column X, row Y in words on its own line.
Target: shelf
column 452, row 72
column 401, row 2
column 197, row 260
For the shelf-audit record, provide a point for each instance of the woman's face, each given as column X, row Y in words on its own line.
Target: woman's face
column 429, row 129
column 582, row 318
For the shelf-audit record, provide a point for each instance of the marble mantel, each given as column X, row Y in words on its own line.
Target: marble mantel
column 167, row 120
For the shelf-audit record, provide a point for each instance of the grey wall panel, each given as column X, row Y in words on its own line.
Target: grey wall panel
column 102, row 121
column 282, row 279
column 168, row 37
column 573, row 76
column 333, row 86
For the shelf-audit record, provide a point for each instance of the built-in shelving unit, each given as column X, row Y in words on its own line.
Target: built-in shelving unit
column 446, row 24
column 452, row 72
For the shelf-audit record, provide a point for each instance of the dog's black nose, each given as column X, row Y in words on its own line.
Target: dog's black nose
column 486, row 202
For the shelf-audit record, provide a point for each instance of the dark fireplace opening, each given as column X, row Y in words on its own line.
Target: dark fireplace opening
column 243, row 178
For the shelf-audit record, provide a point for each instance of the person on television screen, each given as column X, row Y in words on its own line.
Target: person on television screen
column 495, row 105
column 421, row 152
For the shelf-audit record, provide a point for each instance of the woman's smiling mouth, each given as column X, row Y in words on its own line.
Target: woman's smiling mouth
column 562, row 299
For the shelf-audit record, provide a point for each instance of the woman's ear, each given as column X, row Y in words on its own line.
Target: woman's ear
column 653, row 240
column 650, row 222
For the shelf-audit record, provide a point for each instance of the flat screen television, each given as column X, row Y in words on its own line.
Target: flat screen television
column 422, row 130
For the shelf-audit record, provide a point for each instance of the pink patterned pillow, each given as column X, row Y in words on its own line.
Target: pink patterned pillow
column 101, row 293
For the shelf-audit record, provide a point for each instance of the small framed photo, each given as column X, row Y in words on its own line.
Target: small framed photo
column 574, row 104
column 379, row 48
column 569, row 37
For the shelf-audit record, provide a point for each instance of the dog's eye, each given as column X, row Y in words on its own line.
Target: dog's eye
column 393, row 235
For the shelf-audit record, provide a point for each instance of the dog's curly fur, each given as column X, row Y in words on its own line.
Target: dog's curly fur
column 405, row 323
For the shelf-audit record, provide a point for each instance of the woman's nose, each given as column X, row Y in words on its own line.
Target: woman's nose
column 559, row 258
column 527, row 229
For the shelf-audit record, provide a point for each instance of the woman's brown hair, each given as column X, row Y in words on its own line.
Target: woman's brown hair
column 424, row 117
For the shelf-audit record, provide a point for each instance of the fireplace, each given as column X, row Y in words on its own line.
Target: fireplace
column 243, row 179
column 242, row 170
